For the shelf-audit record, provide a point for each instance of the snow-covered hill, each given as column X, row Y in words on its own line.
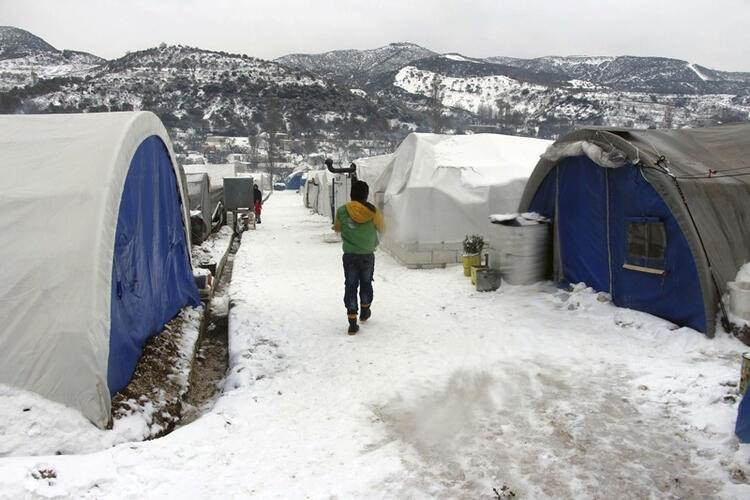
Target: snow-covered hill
column 643, row 74
column 25, row 59
column 15, row 42
column 548, row 96
column 216, row 92
column 358, row 67
column 381, row 93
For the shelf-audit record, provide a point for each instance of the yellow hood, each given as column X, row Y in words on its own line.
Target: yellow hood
column 359, row 212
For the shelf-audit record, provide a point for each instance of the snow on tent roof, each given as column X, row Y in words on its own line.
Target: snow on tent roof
column 216, row 171
column 89, row 271
column 438, row 188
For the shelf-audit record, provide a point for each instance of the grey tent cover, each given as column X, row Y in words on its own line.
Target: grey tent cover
column 678, row 163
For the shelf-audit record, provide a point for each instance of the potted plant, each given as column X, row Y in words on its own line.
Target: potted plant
column 473, row 245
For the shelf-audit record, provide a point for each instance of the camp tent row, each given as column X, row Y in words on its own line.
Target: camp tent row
column 95, row 253
column 434, row 189
column 659, row 219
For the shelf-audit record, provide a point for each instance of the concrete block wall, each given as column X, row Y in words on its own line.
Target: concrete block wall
column 424, row 255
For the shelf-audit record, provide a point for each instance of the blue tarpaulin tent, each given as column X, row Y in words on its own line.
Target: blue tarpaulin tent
column 296, row 181
column 657, row 218
column 660, row 219
column 151, row 274
column 95, row 225
column 597, row 210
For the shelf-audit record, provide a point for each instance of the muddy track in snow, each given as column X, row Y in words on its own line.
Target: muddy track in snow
column 212, row 353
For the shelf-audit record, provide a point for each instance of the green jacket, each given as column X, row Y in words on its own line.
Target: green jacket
column 359, row 225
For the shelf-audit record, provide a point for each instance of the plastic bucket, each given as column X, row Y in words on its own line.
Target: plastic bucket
column 471, row 260
column 474, row 270
column 488, row 280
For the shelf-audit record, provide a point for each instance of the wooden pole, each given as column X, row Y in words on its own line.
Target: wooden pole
column 744, row 373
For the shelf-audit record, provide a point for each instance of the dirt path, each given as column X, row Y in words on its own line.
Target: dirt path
column 212, row 354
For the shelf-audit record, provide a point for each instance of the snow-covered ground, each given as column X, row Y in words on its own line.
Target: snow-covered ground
column 444, row 393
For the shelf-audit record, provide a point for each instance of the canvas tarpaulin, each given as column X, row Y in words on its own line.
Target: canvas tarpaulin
column 369, row 169
column 318, row 191
column 62, row 179
column 438, row 188
column 592, row 207
column 216, row 173
column 199, row 195
column 151, row 274
column 702, row 177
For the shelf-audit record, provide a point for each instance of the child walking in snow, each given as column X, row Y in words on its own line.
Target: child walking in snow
column 258, row 199
column 359, row 223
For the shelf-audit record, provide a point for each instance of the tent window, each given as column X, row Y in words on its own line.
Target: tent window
column 647, row 244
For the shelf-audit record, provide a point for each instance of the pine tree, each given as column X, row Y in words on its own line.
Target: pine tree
column 436, row 106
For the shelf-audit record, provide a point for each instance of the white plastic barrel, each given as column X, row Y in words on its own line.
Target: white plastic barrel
column 520, row 252
column 739, row 299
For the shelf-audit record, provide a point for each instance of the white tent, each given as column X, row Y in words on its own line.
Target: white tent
column 199, row 195
column 318, row 192
column 95, row 236
column 325, row 191
column 439, row 188
column 216, row 173
column 262, row 179
column 370, row 168
column 310, row 191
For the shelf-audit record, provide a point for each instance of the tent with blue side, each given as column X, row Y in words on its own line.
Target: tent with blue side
column 296, row 180
column 94, row 223
column 660, row 219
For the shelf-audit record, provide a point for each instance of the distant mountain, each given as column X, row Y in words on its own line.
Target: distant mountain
column 15, row 42
column 636, row 74
column 25, row 59
column 548, row 96
column 357, row 68
column 209, row 92
column 382, row 93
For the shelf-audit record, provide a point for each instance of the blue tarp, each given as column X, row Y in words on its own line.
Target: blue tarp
column 742, row 427
column 595, row 205
column 151, row 274
column 295, row 182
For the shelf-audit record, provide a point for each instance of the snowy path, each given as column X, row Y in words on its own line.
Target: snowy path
column 444, row 393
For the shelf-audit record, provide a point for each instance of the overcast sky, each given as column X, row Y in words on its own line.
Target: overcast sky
column 714, row 33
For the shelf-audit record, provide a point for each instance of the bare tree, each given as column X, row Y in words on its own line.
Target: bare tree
column 668, row 118
column 253, row 142
column 436, row 104
column 273, row 125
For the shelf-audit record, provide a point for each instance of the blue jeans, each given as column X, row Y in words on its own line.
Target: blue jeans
column 358, row 272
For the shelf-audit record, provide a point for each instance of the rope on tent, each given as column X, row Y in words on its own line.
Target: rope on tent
column 724, row 316
column 659, row 162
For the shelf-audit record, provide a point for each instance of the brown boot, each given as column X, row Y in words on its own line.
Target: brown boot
column 353, row 326
column 364, row 313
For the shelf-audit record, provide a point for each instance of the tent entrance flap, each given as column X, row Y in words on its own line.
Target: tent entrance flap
column 151, row 273
column 613, row 228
